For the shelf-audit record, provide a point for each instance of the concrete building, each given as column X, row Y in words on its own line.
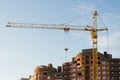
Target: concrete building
column 32, row 77
column 84, row 65
column 59, row 74
column 66, row 71
column 115, row 69
column 44, row 73
column 81, row 68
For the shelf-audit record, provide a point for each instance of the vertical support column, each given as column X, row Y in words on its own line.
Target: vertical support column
column 95, row 47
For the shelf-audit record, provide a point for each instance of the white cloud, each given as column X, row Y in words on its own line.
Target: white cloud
column 112, row 44
column 111, row 15
column 100, row 1
column 84, row 7
column 114, row 39
column 102, row 41
column 111, row 20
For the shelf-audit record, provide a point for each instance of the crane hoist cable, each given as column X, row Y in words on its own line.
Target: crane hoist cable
column 66, row 50
column 76, row 18
column 66, row 44
column 107, row 34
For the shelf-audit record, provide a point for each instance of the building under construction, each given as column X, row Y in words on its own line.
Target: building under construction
column 87, row 65
column 92, row 29
column 81, row 68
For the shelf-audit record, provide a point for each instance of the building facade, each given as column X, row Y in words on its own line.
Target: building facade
column 44, row 73
column 115, row 69
column 84, row 63
column 81, row 66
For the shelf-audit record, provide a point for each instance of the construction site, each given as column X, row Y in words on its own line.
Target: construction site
column 89, row 64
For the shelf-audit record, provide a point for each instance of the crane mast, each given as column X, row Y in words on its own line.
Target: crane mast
column 95, row 47
column 93, row 29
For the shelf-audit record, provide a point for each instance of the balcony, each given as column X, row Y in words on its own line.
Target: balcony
column 115, row 65
column 66, row 69
column 66, row 73
column 115, row 69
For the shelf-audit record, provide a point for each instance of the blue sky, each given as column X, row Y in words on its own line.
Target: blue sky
column 21, row 50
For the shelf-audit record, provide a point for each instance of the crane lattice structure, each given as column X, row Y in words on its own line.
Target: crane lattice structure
column 93, row 29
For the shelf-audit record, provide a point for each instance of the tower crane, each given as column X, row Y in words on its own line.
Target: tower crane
column 93, row 29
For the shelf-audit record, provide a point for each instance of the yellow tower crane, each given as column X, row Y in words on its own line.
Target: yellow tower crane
column 93, row 29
